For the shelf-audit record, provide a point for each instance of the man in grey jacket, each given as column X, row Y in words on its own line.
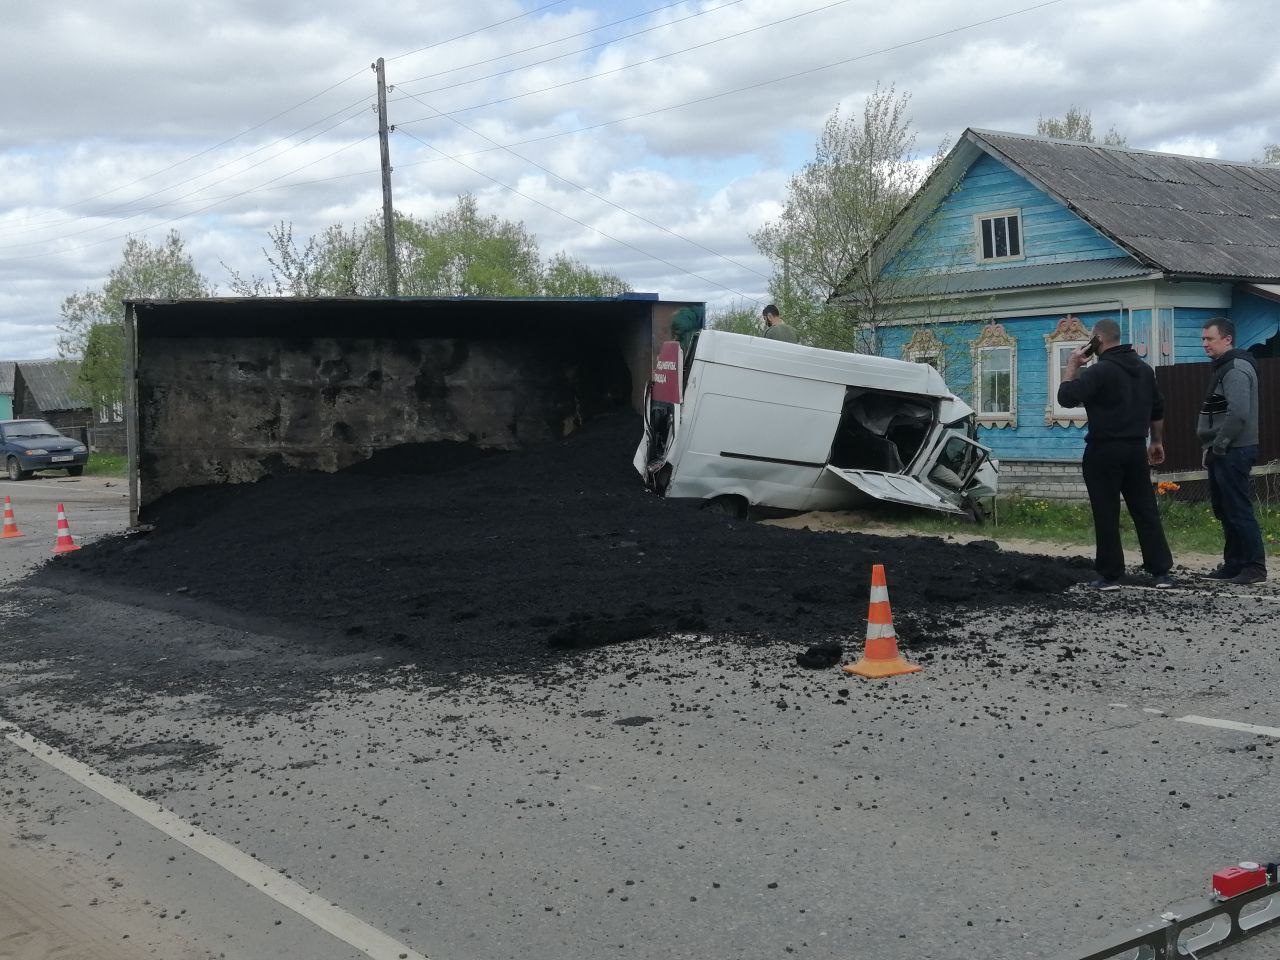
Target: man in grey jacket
column 1228, row 432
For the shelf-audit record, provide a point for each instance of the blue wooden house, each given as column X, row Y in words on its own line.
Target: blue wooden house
column 1016, row 245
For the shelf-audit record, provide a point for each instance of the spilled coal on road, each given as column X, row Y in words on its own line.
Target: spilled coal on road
column 462, row 557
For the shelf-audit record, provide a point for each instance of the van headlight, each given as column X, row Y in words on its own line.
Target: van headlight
column 37, row 453
column 79, row 448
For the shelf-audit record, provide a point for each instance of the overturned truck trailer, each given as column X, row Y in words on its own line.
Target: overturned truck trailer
column 230, row 390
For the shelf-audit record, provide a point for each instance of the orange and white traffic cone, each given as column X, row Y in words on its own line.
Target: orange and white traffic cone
column 10, row 524
column 881, row 657
column 65, row 543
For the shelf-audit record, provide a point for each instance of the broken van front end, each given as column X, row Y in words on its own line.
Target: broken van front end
column 761, row 423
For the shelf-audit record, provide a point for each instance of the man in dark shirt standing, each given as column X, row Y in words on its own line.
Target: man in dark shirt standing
column 1228, row 431
column 1120, row 395
column 775, row 328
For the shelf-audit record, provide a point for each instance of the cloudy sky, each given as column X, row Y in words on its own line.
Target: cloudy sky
column 221, row 118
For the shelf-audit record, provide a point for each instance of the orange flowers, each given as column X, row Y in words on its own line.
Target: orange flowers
column 1166, row 486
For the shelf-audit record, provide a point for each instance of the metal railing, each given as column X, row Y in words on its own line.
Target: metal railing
column 1195, row 929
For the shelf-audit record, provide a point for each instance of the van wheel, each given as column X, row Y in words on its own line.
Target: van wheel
column 977, row 512
column 74, row 471
column 16, row 472
column 729, row 504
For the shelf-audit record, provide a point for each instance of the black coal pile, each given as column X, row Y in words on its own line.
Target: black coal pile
column 459, row 556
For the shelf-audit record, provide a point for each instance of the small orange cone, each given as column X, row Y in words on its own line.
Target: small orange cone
column 881, row 657
column 65, row 543
column 10, row 524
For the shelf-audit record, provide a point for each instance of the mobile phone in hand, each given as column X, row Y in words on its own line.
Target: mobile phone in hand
column 1093, row 347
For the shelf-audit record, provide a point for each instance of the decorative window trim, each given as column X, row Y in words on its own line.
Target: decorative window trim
column 995, row 337
column 978, row 219
column 1069, row 332
column 1166, row 337
column 924, row 343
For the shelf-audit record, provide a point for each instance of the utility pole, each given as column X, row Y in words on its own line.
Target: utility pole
column 388, row 218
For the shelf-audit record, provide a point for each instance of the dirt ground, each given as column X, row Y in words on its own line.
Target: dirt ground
column 865, row 521
column 54, row 908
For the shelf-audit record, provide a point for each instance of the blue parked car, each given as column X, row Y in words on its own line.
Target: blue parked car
column 30, row 445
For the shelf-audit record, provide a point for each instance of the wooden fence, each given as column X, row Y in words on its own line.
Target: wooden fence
column 1184, row 385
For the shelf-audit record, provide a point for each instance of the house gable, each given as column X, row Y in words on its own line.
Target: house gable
column 948, row 240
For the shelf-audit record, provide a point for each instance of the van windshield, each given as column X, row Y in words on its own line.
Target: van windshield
column 879, row 431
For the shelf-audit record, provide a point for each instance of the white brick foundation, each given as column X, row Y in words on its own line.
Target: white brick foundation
column 1042, row 480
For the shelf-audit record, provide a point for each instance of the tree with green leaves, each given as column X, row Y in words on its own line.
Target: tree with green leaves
column 92, row 326
column 564, row 276
column 464, row 253
column 337, row 263
column 1077, row 124
column 865, row 169
column 458, row 253
column 741, row 316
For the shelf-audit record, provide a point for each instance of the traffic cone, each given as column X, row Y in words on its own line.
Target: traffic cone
column 65, row 543
column 881, row 657
column 10, row 524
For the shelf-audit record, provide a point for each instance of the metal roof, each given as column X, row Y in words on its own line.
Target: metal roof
column 6, row 376
column 1033, row 275
column 1191, row 216
column 50, row 383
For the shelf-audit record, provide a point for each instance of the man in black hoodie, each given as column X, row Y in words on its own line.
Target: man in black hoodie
column 1120, row 395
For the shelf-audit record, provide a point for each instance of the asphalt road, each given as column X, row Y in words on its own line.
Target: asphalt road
column 693, row 796
column 95, row 506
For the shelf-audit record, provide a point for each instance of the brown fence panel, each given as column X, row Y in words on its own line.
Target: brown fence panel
column 1184, row 384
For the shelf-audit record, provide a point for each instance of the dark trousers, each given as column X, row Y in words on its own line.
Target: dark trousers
column 1115, row 469
column 1229, row 494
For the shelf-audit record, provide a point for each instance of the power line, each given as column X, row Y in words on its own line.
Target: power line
column 172, row 186
column 472, row 33
column 207, row 150
column 192, row 213
column 628, row 66
column 592, row 193
column 263, row 123
column 194, row 193
column 752, row 86
column 561, row 213
column 572, row 36
column 648, row 113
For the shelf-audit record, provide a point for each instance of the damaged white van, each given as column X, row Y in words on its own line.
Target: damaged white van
column 763, row 423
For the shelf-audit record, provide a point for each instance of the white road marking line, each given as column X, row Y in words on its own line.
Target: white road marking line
column 1230, row 725
column 1153, row 710
column 1117, row 705
column 328, row 917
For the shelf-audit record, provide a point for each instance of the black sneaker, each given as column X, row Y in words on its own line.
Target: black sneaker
column 1222, row 572
column 1162, row 582
column 1104, row 586
column 1251, row 575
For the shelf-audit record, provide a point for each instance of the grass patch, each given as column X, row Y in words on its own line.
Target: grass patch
column 106, row 465
column 1190, row 527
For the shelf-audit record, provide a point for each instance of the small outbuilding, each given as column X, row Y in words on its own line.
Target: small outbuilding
column 45, row 390
column 7, row 370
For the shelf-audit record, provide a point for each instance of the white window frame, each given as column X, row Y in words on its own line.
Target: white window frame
column 925, row 346
column 980, row 218
column 1070, row 333
column 994, row 337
